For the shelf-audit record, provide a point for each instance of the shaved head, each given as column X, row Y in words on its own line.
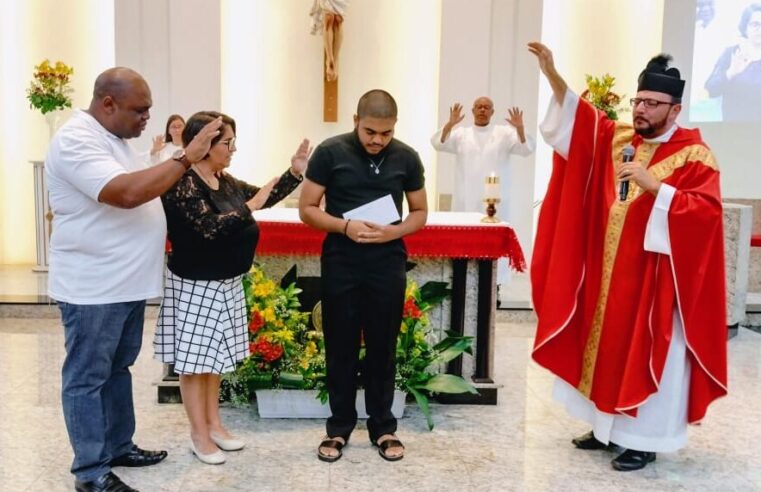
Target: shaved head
column 376, row 104
column 117, row 82
column 121, row 100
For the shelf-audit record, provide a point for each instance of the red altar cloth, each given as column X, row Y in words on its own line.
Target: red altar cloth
column 447, row 241
column 449, row 235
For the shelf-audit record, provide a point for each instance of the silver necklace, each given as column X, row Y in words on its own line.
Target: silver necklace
column 204, row 178
column 375, row 166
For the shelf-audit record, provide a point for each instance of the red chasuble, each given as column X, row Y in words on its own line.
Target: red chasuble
column 604, row 304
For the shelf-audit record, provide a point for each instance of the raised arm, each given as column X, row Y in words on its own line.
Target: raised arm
column 455, row 117
column 131, row 190
column 547, row 66
column 280, row 187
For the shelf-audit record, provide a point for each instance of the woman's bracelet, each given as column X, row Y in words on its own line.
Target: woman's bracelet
column 346, row 227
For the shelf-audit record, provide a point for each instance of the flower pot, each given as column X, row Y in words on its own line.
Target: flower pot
column 303, row 404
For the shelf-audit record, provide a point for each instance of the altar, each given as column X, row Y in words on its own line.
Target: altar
column 453, row 247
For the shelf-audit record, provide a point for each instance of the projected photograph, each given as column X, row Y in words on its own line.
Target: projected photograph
column 726, row 73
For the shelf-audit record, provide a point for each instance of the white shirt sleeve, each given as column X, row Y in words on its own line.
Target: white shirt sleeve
column 557, row 126
column 514, row 144
column 450, row 145
column 87, row 165
column 657, row 230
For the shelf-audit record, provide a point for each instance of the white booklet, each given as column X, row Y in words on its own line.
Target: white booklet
column 381, row 211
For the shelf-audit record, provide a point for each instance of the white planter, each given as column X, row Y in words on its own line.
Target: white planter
column 303, row 404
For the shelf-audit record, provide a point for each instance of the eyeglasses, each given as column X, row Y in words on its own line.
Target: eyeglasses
column 230, row 143
column 754, row 25
column 649, row 103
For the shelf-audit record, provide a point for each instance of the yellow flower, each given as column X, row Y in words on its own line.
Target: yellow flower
column 264, row 289
column 411, row 288
column 311, row 349
column 269, row 314
column 282, row 335
column 403, row 328
column 419, row 336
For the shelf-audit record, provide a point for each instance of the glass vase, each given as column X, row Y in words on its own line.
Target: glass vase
column 53, row 119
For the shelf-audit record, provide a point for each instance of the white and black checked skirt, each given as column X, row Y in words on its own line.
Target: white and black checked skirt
column 202, row 325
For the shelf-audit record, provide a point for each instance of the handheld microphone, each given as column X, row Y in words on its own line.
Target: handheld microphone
column 623, row 188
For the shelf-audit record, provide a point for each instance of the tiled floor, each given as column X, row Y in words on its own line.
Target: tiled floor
column 520, row 444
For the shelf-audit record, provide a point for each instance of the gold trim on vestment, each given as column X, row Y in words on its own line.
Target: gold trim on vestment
column 616, row 218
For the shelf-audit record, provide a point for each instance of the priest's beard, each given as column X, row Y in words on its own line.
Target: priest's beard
column 649, row 128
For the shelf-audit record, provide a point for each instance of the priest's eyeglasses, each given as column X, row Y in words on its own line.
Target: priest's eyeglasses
column 230, row 143
column 649, row 103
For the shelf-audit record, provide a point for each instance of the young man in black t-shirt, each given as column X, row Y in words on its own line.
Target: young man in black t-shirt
column 363, row 266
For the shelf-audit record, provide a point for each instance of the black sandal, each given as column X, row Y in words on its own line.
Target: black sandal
column 389, row 443
column 331, row 443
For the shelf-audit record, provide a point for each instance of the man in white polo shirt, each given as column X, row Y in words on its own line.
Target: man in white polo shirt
column 106, row 255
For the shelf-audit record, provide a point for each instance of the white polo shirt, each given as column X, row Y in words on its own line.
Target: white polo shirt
column 99, row 254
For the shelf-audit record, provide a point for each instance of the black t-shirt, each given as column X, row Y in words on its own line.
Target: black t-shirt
column 213, row 233
column 348, row 172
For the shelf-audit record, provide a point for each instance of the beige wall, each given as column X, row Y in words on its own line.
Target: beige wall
column 483, row 53
column 81, row 35
column 596, row 37
column 272, row 76
column 175, row 45
column 257, row 61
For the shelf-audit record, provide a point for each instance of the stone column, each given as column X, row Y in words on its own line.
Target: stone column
column 737, row 226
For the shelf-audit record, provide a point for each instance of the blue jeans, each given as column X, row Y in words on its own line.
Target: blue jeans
column 102, row 342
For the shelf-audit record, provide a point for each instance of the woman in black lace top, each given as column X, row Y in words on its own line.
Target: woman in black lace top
column 202, row 326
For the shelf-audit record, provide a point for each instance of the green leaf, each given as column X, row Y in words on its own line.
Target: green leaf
column 434, row 292
column 291, row 380
column 260, row 381
column 422, row 402
column 452, row 352
column 451, row 340
column 448, row 383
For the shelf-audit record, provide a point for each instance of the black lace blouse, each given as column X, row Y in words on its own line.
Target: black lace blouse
column 212, row 232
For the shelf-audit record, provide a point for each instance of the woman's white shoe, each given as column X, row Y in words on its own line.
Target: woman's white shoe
column 227, row 444
column 215, row 458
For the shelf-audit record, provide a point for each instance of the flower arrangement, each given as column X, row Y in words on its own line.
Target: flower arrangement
column 287, row 351
column 600, row 95
column 50, row 89
column 417, row 362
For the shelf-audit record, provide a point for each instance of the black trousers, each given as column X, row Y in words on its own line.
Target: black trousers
column 362, row 297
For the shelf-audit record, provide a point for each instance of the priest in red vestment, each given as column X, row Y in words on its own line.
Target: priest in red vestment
column 629, row 284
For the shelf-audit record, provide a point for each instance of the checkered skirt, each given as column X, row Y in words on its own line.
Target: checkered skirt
column 202, row 325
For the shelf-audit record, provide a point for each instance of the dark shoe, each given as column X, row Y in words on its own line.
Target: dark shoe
column 105, row 483
column 392, row 442
column 588, row 442
column 138, row 457
column 631, row 460
column 336, row 443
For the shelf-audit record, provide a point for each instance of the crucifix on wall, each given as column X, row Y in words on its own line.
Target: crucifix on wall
column 327, row 18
